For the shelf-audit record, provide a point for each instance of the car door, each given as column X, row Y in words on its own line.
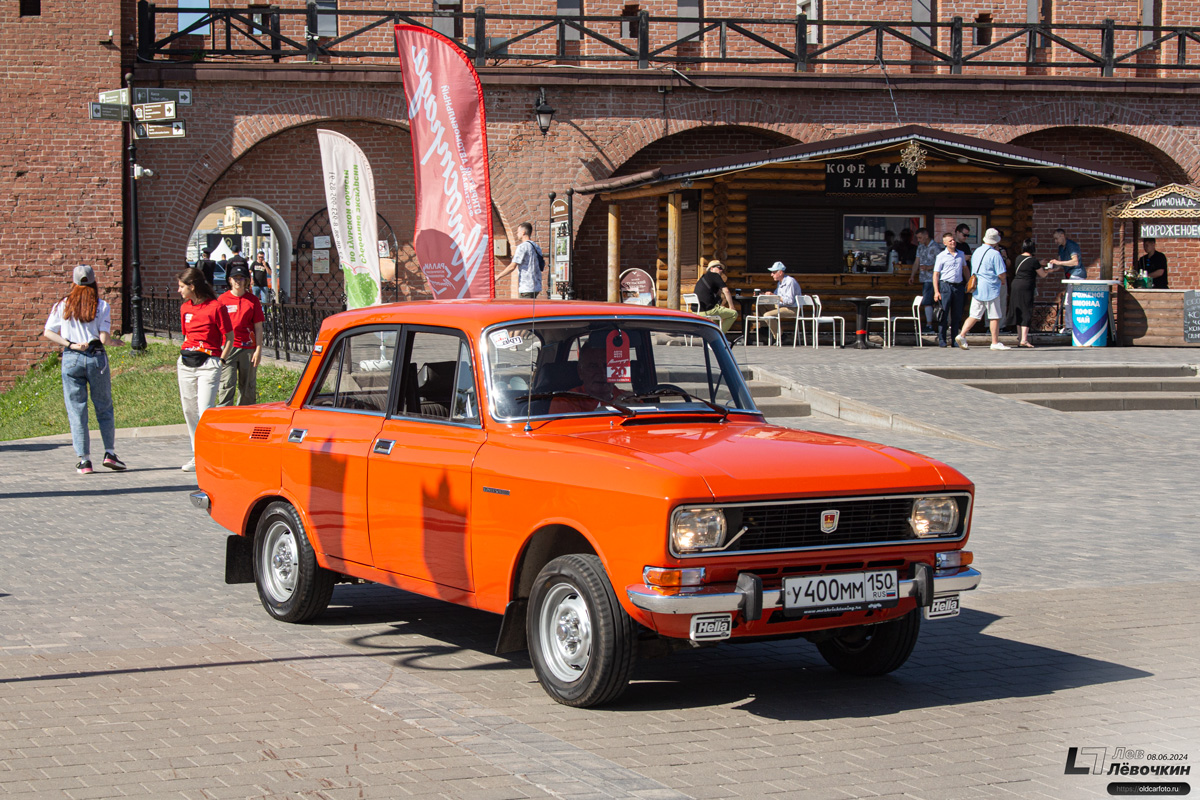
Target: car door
column 419, row 478
column 325, row 456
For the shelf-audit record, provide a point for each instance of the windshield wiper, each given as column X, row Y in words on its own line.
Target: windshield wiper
column 624, row 411
column 665, row 392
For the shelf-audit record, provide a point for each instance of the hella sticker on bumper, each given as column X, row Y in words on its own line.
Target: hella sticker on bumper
column 943, row 607
column 711, row 627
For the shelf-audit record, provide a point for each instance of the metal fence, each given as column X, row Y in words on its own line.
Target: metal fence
column 288, row 331
column 796, row 43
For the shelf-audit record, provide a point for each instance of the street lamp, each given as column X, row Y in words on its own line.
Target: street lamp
column 542, row 112
column 137, row 341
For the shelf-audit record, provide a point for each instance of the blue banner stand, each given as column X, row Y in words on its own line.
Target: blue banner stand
column 1091, row 311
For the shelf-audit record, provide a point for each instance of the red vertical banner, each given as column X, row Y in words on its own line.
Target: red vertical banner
column 453, row 235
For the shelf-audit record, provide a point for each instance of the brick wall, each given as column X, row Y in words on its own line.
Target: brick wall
column 60, row 173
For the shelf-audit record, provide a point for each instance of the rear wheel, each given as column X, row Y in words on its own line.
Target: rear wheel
column 581, row 641
column 873, row 649
column 291, row 585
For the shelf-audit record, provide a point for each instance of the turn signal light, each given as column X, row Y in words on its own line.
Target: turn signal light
column 673, row 578
column 954, row 558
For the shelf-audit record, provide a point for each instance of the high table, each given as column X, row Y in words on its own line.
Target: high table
column 861, row 304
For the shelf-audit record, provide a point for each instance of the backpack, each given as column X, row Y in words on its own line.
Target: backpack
column 537, row 257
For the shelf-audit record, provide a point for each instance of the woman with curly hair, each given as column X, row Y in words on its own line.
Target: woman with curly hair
column 81, row 324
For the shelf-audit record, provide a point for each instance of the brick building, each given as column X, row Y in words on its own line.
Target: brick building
column 628, row 96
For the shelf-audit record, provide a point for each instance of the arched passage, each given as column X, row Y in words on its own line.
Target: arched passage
column 639, row 218
column 279, row 231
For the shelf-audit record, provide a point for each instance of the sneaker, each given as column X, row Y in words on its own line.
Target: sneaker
column 1001, row 346
column 190, row 466
column 961, row 342
column 112, row 462
column 84, row 467
column 928, row 329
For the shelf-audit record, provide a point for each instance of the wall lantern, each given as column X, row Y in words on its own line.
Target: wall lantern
column 542, row 112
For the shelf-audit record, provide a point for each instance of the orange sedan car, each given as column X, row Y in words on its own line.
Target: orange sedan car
column 597, row 474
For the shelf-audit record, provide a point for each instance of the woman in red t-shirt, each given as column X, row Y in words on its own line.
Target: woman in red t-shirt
column 207, row 341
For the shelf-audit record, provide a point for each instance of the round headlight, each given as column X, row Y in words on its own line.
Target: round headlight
column 694, row 529
column 934, row 516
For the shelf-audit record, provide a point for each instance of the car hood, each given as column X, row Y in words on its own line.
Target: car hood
column 758, row 460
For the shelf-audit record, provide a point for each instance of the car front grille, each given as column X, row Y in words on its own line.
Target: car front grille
column 787, row 526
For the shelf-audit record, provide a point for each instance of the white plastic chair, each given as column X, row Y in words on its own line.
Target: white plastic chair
column 915, row 319
column 813, row 301
column 690, row 303
column 762, row 304
column 886, row 319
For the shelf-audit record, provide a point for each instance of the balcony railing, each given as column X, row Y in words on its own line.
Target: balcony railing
column 644, row 42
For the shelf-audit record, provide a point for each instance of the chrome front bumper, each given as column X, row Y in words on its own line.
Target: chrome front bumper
column 201, row 501
column 747, row 598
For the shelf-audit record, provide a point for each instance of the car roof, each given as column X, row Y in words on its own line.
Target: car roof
column 475, row 315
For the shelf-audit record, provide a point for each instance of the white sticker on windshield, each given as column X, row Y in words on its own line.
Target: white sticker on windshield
column 502, row 341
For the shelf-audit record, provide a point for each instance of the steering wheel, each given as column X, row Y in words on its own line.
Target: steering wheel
column 665, row 388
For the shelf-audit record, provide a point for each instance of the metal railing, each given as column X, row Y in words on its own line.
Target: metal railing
column 281, row 34
column 289, row 329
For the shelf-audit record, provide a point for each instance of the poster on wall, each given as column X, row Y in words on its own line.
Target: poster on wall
column 320, row 262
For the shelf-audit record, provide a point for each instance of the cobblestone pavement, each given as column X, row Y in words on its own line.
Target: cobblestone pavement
column 128, row 668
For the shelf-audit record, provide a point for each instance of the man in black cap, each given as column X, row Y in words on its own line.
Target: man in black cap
column 240, row 368
column 207, row 265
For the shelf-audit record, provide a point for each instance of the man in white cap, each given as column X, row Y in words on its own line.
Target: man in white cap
column 987, row 266
column 788, row 290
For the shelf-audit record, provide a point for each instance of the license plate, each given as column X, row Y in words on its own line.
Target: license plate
column 711, row 627
column 943, row 607
column 841, row 591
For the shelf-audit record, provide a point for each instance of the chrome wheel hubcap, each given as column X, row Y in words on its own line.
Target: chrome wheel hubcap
column 565, row 629
column 280, row 562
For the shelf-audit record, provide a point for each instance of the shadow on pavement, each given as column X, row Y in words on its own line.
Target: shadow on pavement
column 32, row 447
column 954, row 662
column 78, row 493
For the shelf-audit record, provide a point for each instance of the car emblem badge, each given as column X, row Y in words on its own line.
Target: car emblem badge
column 829, row 521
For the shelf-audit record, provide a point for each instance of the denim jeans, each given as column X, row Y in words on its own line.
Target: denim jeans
column 263, row 293
column 81, row 372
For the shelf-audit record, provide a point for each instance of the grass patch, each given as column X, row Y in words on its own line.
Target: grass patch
column 145, row 392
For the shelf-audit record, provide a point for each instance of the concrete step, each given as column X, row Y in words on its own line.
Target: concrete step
column 1028, row 371
column 780, row 407
column 1116, row 401
column 1066, row 385
column 764, row 389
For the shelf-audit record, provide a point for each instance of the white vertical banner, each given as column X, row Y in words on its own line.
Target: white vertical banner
column 350, row 198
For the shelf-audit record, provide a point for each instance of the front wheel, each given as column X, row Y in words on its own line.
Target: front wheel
column 291, row 585
column 582, row 643
column 873, row 649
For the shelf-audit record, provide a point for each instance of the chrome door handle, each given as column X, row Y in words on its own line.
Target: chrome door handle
column 384, row 446
column 296, row 436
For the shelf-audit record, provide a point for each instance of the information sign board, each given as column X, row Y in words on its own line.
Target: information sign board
column 160, row 130
column 108, row 111
column 118, row 97
column 1191, row 316
column 149, row 112
column 151, row 94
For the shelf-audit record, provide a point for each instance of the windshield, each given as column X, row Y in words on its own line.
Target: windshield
column 633, row 367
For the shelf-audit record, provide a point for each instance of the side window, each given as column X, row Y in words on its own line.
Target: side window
column 432, row 386
column 466, row 401
column 367, row 371
column 359, row 373
column 325, row 394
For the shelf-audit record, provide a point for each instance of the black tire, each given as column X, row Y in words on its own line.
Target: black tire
column 873, row 649
column 582, row 643
column 292, row 587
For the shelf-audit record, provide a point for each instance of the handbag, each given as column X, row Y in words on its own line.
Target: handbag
column 939, row 315
column 970, row 284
